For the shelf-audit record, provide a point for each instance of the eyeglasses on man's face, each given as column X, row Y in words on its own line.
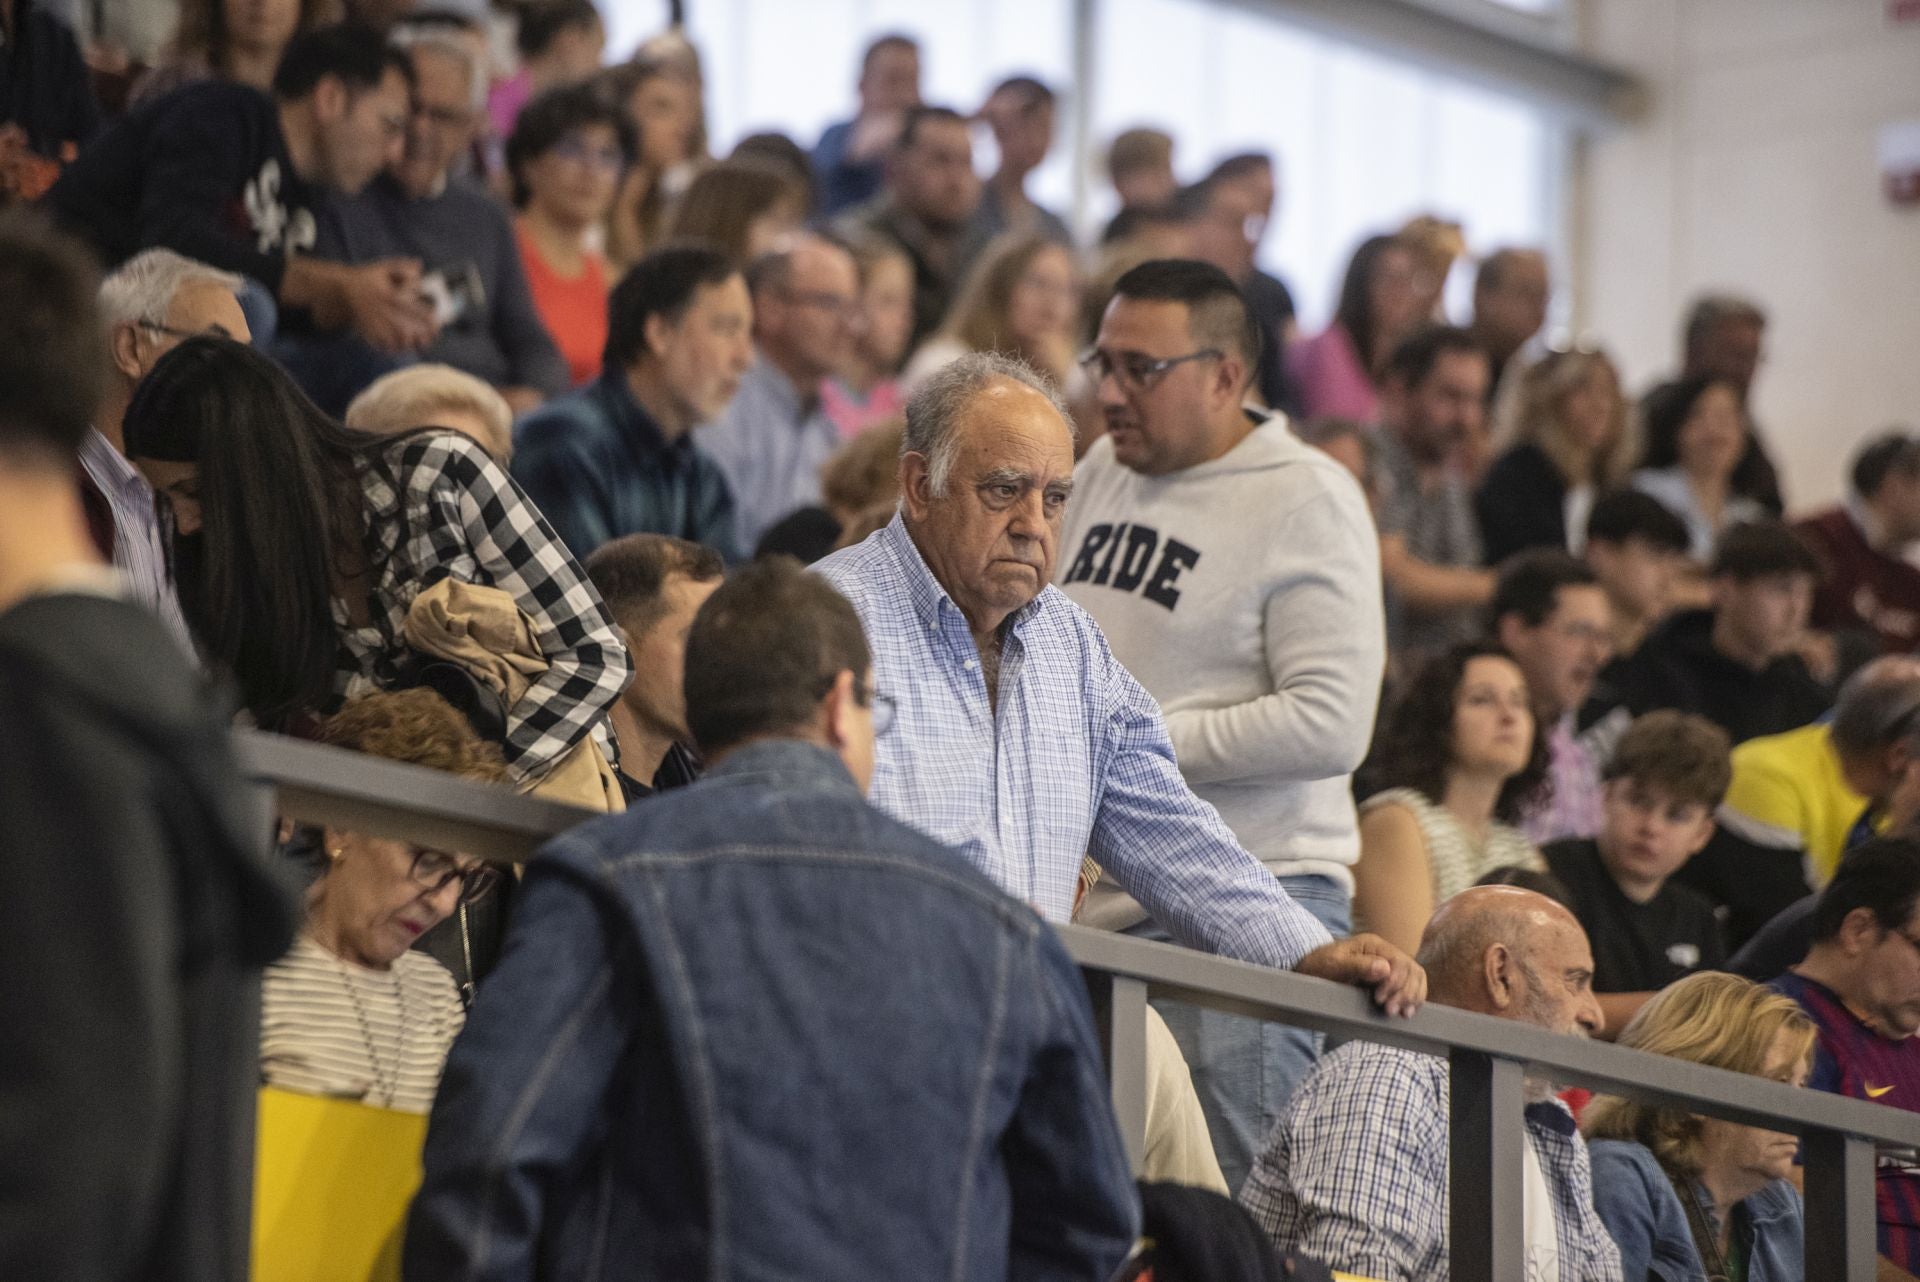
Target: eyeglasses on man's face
column 1136, row 371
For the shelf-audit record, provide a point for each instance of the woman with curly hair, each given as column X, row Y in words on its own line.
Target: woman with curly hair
column 1455, row 764
column 1691, row 1197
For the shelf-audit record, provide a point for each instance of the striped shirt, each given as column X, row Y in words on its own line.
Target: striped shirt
column 1074, row 761
column 139, row 552
column 329, row 1027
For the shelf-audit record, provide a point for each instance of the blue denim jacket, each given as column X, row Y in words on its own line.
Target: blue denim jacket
column 754, row 1028
column 1640, row 1209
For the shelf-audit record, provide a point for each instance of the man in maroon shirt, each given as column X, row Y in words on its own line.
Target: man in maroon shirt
column 1867, row 586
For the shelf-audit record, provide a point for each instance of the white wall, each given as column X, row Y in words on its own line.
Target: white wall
column 1754, row 170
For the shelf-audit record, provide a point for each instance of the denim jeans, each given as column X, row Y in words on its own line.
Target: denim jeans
column 1244, row 1069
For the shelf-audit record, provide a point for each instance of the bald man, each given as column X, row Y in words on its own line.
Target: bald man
column 1355, row 1174
column 772, row 438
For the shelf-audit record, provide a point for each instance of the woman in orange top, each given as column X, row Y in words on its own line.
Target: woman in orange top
column 568, row 151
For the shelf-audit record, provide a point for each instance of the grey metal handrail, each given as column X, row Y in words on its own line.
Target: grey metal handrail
column 1490, row 1059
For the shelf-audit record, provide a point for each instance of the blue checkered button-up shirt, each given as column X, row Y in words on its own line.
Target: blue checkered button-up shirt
column 1076, row 762
column 1355, row 1172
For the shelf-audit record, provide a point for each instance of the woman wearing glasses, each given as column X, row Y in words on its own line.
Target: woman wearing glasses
column 568, row 151
column 352, row 1011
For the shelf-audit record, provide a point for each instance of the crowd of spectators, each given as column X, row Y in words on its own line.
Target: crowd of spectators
column 359, row 388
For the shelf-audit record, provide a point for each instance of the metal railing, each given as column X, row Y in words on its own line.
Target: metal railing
column 1489, row 1058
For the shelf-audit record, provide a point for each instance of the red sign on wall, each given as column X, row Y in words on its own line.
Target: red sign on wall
column 1903, row 10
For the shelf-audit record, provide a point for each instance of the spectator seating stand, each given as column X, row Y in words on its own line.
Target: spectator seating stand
column 1489, row 1058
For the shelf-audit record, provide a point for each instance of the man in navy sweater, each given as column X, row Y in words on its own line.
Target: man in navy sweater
column 230, row 176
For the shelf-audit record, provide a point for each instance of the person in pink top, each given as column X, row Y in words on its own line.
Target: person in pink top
column 867, row 391
column 1381, row 302
column 560, row 43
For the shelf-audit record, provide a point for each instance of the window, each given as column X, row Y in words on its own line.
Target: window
column 1363, row 142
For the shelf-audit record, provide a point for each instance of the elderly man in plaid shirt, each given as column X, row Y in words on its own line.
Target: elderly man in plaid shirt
column 1020, row 740
column 1355, row 1174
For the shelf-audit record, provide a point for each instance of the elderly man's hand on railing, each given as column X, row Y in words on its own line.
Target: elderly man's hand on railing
column 1399, row 984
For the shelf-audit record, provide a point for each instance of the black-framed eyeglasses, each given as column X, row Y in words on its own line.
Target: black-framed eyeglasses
column 1136, row 370
column 433, row 872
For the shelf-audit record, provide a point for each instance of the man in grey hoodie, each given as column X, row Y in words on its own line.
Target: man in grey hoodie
column 1236, row 573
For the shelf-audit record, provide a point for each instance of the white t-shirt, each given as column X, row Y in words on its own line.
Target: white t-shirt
column 1543, row 1234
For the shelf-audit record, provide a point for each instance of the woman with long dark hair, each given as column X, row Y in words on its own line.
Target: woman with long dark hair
column 1382, row 300
column 237, row 40
column 1696, row 436
column 1456, row 762
column 299, row 547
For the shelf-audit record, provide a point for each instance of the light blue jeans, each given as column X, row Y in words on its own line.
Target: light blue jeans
column 1244, row 1069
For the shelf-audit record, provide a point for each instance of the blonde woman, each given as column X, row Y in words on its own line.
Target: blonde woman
column 1021, row 299
column 1689, row 1198
column 1570, row 444
column 436, row 396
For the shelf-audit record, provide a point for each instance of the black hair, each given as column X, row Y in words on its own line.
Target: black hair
column 1495, row 266
column 1756, row 549
column 661, row 284
column 1627, row 513
column 53, row 347
column 1217, row 311
column 278, row 508
column 1135, row 219
column 891, row 40
column 917, row 118
column 1881, row 875
column 763, row 652
column 1530, row 582
column 1413, row 358
column 1240, row 165
column 1414, row 745
column 357, row 56
column 548, row 119
column 630, row 573
column 1537, row 880
column 779, row 151
column 1035, row 89
column 1355, row 309
column 542, row 24
column 1890, row 452
column 1664, row 413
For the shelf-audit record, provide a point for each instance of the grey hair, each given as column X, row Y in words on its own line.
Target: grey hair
column 441, row 39
column 140, row 291
column 1878, row 706
column 934, row 410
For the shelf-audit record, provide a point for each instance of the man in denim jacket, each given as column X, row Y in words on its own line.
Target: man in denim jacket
column 755, row 1028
